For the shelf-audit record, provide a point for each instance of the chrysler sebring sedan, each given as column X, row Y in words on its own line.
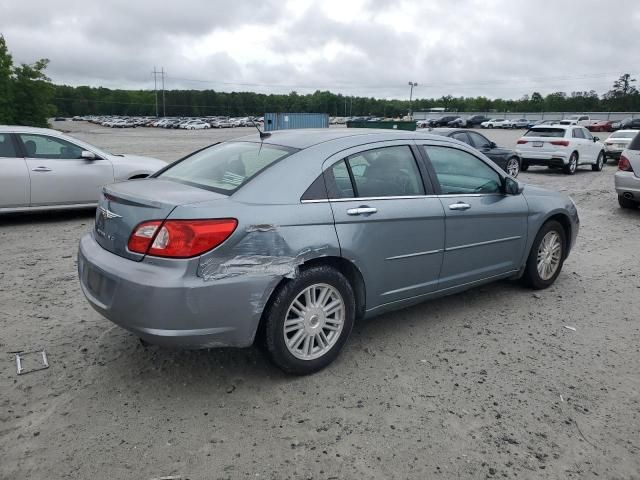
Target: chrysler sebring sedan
column 291, row 237
column 42, row 169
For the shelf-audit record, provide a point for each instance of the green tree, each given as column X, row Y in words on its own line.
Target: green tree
column 32, row 94
column 6, row 90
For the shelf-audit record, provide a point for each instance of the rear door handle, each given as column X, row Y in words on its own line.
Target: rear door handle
column 41, row 169
column 362, row 211
column 459, row 206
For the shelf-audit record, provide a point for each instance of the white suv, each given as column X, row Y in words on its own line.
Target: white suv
column 564, row 146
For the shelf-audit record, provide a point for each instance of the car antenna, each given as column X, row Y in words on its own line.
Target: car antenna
column 263, row 135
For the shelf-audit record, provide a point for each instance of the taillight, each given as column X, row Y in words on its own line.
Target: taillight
column 624, row 164
column 521, row 141
column 560, row 143
column 180, row 238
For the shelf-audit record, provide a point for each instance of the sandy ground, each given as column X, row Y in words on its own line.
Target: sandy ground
column 485, row 384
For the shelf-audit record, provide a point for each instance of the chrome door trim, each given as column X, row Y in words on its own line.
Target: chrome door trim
column 479, row 244
column 417, row 254
column 406, row 197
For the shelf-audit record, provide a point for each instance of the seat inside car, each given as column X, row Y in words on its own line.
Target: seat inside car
column 385, row 176
column 30, row 147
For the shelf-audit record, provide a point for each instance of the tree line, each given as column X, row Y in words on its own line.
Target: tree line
column 27, row 97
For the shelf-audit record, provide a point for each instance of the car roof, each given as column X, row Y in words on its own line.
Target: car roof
column 625, row 131
column 307, row 137
column 22, row 129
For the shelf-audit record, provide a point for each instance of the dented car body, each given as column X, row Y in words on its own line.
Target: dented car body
column 401, row 217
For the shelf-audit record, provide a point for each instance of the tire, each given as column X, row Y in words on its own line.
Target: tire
column 539, row 279
column 513, row 166
column 290, row 359
column 572, row 166
column 627, row 202
column 490, row 126
column 524, row 167
column 597, row 167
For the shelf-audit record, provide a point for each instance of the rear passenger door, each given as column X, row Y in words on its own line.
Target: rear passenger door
column 584, row 150
column 386, row 223
column 486, row 230
column 14, row 175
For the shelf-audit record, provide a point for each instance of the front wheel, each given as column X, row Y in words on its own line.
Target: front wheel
column 546, row 257
column 513, row 166
column 572, row 166
column 597, row 167
column 309, row 320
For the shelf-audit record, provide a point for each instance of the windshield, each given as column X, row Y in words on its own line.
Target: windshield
column 623, row 134
column 225, row 167
column 545, row 132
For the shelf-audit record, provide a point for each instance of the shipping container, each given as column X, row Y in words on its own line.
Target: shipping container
column 286, row 121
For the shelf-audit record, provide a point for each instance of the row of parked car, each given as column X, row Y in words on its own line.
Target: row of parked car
column 185, row 123
column 481, row 121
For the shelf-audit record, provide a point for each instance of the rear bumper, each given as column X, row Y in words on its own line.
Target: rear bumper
column 557, row 158
column 627, row 182
column 613, row 154
column 171, row 306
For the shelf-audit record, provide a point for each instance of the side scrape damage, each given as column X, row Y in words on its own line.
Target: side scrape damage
column 262, row 252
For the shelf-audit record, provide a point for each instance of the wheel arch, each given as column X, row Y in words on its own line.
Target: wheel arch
column 565, row 222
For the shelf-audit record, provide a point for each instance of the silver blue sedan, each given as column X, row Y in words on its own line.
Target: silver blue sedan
column 292, row 237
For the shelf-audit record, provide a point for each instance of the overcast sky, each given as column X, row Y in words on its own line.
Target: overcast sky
column 358, row 47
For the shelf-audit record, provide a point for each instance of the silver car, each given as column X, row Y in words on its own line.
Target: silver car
column 43, row 169
column 627, row 178
column 291, row 237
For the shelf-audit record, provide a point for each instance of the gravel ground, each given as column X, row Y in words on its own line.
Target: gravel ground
column 484, row 384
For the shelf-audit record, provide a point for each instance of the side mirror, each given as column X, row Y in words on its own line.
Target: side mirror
column 595, row 139
column 87, row 155
column 492, row 145
column 512, row 186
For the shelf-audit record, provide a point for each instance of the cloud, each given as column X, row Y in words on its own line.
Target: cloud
column 498, row 48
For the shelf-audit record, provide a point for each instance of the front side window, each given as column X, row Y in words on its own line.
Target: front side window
column 479, row 141
column 586, row 134
column 577, row 133
column 462, row 136
column 7, row 149
column 225, row 167
column 461, row 173
column 42, row 146
column 385, row 172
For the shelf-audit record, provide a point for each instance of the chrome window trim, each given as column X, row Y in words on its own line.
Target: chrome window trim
column 406, row 197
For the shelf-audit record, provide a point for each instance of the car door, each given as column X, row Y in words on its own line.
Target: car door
column 386, row 223
column 584, row 150
column 59, row 175
column 485, row 229
column 591, row 145
column 14, row 175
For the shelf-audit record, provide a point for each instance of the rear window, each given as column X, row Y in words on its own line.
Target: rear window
column 545, row 132
column 225, row 167
column 623, row 134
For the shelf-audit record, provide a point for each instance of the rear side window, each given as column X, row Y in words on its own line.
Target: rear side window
column 225, row 167
column 545, row 132
column 7, row 149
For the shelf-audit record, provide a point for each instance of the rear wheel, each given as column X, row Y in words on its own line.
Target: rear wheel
column 513, row 166
column 309, row 320
column 546, row 257
column 572, row 166
column 597, row 167
column 627, row 202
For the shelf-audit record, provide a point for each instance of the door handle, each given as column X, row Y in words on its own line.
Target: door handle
column 459, row 206
column 362, row 211
column 41, row 169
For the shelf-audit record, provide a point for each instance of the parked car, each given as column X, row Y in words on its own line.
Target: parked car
column 599, row 126
column 42, row 169
column 627, row 178
column 219, row 251
column 630, row 123
column 442, row 121
column 508, row 160
column 617, row 142
column 582, row 120
column 563, row 146
column 422, row 124
column 469, row 122
column 497, row 123
column 520, row 123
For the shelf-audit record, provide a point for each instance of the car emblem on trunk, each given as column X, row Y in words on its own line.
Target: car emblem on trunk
column 107, row 214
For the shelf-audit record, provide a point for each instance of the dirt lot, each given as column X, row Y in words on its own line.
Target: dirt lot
column 486, row 384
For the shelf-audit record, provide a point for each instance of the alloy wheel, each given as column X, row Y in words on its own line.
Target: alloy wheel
column 513, row 167
column 549, row 255
column 314, row 321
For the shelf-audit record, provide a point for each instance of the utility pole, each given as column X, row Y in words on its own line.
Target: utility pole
column 411, row 85
column 164, row 107
column 155, row 87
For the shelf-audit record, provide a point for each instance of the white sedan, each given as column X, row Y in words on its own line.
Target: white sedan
column 196, row 125
column 561, row 146
column 497, row 123
column 42, row 169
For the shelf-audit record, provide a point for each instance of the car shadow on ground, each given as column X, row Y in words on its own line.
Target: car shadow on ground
column 53, row 216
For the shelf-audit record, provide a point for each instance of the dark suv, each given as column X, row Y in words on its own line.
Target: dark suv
column 442, row 121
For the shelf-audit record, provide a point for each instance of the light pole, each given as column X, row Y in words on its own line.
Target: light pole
column 411, row 85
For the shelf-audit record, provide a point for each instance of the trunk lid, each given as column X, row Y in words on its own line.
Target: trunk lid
column 125, row 205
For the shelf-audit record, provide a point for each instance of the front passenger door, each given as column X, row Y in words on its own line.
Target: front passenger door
column 59, row 174
column 485, row 230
